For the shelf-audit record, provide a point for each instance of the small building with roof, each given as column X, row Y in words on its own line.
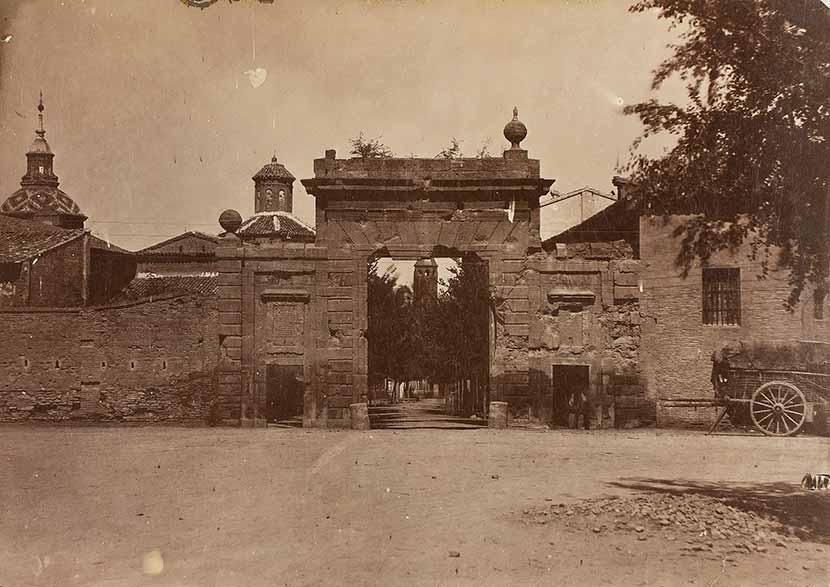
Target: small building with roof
column 187, row 253
column 184, row 264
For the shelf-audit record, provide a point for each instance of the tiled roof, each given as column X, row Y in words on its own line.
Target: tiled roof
column 276, row 225
column 274, row 170
column 158, row 248
column 102, row 245
column 147, row 285
column 24, row 239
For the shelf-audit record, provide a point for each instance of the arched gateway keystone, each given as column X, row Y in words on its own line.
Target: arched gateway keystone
column 293, row 309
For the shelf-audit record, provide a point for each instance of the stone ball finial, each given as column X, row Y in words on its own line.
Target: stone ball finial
column 230, row 220
column 515, row 131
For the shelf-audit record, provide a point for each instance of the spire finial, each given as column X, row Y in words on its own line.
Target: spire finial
column 515, row 113
column 40, row 131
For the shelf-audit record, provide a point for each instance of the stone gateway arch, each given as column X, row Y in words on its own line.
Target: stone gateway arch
column 293, row 302
column 295, row 305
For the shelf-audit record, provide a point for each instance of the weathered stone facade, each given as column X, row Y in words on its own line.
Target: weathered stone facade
column 304, row 304
column 588, row 316
column 150, row 361
column 590, row 319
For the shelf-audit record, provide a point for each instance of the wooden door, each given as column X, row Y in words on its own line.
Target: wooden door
column 284, row 391
column 570, row 384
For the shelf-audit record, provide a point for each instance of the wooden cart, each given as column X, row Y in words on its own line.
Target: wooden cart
column 777, row 387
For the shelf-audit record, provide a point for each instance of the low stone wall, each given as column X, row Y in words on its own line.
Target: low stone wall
column 699, row 414
column 148, row 361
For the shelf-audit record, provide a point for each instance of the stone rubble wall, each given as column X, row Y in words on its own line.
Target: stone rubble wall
column 579, row 313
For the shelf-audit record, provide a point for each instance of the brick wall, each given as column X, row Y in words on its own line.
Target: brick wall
column 677, row 346
column 56, row 277
column 143, row 362
column 109, row 274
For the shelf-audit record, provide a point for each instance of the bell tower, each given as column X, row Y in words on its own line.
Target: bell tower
column 273, row 188
column 425, row 280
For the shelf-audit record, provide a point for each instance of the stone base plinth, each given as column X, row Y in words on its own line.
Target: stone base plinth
column 497, row 417
column 359, row 416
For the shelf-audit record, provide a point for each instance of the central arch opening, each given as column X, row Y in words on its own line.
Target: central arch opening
column 429, row 332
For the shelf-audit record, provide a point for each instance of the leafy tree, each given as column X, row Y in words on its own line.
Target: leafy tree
column 453, row 151
column 369, row 148
column 465, row 329
column 752, row 155
column 445, row 341
column 381, row 328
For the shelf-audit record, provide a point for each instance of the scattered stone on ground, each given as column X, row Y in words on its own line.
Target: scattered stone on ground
column 708, row 524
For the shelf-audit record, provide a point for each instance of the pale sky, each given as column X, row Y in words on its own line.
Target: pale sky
column 157, row 128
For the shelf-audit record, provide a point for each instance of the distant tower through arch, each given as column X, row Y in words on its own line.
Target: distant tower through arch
column 425, row 281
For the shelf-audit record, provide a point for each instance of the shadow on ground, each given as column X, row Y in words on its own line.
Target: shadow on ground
column 808, row 512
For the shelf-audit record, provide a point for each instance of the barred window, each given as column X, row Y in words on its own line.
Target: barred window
column 721, row 295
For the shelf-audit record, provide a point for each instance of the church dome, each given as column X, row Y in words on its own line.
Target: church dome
column 274, row 170
column 36, row 201
column 39, row 197
column 40, row 201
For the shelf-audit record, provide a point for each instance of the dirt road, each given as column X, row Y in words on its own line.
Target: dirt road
column 225, row 507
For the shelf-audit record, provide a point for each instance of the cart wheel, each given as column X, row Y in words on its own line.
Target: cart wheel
column 778, row 408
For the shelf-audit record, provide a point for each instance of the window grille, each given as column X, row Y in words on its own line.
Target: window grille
column 721, row 296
